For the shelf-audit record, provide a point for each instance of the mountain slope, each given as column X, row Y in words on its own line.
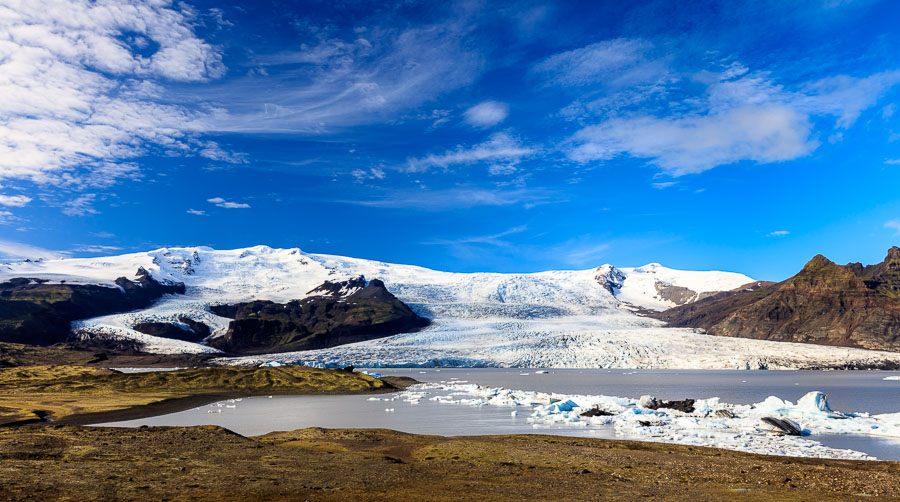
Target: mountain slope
column 221, row 277
column 572, row 318
column 338, row 313
column 825, row 303
column 36, row 312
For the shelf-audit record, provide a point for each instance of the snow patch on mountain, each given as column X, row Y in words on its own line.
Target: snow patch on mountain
column 646, row 286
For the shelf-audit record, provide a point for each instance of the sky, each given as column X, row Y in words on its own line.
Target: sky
column 461, row 136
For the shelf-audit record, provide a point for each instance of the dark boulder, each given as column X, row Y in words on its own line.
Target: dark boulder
column 597, row 412
column 651, row 403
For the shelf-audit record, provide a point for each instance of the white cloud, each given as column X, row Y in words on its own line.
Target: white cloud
column 778, row 233
column 79, row 206
column 372, row 174
column 79, row 91
column 334, row 82
column 96, row 248
column 892, row 162
column 14, row 200
column 845, row 97
column 492, row 239
column 663, row 184
column 220, row 202
column 894, row 224
column 196, row 212
column 17, row 250
column 457, row 198
column 7, row 218
column 618, row 62
column 586, row 255
column 742, row 116
column 499, row 148
column 486, row 114
column 693, row 144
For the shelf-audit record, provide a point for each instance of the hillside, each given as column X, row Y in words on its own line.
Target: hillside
column 825, row 303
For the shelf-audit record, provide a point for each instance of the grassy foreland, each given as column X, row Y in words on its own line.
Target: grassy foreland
column 79, row 394
column 211, row 463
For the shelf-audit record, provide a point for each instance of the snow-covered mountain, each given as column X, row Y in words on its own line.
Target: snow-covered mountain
column 557, row 318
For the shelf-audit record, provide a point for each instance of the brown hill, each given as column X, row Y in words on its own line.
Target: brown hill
column 825, row 303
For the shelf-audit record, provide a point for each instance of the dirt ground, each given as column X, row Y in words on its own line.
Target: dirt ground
column 55, row 462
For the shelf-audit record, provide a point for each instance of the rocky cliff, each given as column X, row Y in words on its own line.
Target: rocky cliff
column 37, row 312
column 825, row 303
column 339, row 313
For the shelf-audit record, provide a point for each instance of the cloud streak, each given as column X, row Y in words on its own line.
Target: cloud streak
column 220, row 202
column 457, row 198
column 500, row 149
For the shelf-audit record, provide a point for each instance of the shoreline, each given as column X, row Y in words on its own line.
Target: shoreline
column 176, row 404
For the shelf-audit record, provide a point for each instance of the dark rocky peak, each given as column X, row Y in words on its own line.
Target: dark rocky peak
column 339, row 289
column 610, row 278
column 885, row 276
column 375, row 290
column 146, row 285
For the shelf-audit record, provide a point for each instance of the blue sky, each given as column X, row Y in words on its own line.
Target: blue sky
column 463, row 136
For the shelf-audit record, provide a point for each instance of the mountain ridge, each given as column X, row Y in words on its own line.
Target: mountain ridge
column 848, row 305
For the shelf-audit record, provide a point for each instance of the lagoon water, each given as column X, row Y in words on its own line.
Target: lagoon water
column 848, row 391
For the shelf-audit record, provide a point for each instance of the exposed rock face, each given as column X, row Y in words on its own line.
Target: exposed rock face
column 370, row 311
column 611, row 278
column 846, row 305
column 186, row 329
column 38, row 313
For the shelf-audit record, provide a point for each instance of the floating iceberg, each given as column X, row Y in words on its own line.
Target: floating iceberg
column 712, row 423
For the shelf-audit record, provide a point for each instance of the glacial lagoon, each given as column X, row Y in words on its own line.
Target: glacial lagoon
column 476, row 402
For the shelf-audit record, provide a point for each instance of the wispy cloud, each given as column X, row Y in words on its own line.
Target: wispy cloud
column 339, row 80
column 892, row 162
column 486, row 114
column 196, row 212
column 778, row 233
column 96, row 248
column 492, row 239
column 585, row 255
column 500, row 149
column 663, row 184
column 80, row 206
column 893, row 224
column 14, row 200
column 615, row 62
column 373, row 173
column 220, row 202
column 7, row 218
column 16, row 250
column 457, row 198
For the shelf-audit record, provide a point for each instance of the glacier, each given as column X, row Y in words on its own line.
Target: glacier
column 566, row 318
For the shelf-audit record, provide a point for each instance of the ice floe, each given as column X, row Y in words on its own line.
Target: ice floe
column 711, row 423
